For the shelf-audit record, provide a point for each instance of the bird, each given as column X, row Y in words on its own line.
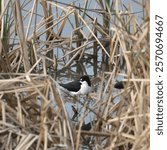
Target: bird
column 119, row 85
column 78, row 87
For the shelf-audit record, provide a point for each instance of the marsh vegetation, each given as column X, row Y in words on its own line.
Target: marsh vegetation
column 44, row 42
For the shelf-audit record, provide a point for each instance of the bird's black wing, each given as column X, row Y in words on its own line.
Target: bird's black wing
column 87, row 126
column 71, row 86
column 119, row 85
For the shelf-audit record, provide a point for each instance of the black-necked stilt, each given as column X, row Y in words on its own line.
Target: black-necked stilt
column 78, row 87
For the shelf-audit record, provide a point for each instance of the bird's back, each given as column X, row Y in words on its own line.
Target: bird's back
column 71, row 86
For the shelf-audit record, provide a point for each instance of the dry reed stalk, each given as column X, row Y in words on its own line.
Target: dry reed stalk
column 20, row 29
column 23, row 106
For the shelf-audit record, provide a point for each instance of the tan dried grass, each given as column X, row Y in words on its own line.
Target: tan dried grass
column 33, row 113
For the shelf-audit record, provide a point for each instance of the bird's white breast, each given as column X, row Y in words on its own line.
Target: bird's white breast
column 85, row 88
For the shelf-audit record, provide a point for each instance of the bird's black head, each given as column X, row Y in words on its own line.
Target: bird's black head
column 85, row 78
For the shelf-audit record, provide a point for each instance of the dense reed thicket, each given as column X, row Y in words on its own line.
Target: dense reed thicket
column 40, row 38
